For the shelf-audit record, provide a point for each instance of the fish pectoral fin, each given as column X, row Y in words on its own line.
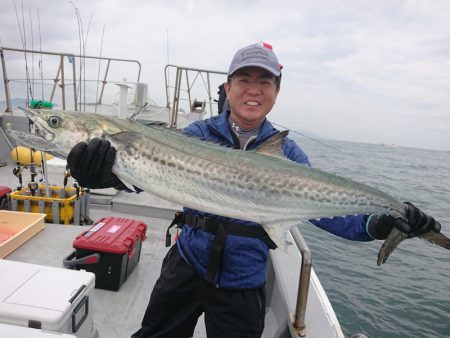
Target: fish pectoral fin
column 124, row 137
column 273, row 146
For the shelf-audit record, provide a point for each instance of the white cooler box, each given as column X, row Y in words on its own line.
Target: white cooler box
column 47, row 298
column 13, row 331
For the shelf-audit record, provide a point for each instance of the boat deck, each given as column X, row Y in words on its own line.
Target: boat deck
column 117, row 314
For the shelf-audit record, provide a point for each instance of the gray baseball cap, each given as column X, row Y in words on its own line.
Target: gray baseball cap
column 259, row 54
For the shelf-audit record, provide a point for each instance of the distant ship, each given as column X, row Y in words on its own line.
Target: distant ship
column 392, row 145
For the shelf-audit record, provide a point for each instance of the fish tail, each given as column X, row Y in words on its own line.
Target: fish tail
column 437, row 238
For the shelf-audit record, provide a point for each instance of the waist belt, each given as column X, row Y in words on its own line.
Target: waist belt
column 221, row 229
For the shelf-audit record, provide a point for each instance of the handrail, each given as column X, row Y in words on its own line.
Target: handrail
column 75, row 55
column 177, row 87
column 60, row 72
column 299, row 324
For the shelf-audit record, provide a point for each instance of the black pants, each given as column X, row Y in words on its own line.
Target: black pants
column 180, row 296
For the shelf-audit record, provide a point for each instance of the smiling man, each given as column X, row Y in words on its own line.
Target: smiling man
column 218, row 265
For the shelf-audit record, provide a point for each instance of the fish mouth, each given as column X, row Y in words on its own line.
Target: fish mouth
column 40, row 137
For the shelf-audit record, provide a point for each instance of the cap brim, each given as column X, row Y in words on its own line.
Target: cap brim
column 259, row 65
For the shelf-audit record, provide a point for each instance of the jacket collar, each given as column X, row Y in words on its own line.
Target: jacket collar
column 219, row 126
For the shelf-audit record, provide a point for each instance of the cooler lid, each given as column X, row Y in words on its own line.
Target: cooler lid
column 41, row 293
column 112, row 234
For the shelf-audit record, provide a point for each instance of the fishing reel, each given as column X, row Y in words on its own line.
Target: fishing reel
column 33, row 186
column 18, row 173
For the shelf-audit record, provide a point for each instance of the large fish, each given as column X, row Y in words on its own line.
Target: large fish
column 259, row 186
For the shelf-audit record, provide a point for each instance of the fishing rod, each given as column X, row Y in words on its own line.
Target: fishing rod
column 23, row 40
column 41, row 71
column 133, row 117
column 41, row 66
column 19, row 169
column 32, row 47
column 83, row 42
column 79, row 24
column 98, row 73
column 310, row 138
column 84, row 61
column 32, row 185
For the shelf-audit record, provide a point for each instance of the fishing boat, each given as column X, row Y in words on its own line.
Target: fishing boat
column 297, row 305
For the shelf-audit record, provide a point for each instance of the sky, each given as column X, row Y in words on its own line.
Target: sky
column 363, row 70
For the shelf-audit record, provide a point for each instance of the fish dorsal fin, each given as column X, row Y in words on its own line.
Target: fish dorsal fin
column 273, row 146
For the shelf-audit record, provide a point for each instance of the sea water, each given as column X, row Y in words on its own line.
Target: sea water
column 409, row 296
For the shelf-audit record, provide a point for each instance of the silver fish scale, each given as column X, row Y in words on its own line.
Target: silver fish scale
column 241, row 184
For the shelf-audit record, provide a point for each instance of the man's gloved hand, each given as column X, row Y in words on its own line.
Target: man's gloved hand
column 91, row 165
column 379, row 226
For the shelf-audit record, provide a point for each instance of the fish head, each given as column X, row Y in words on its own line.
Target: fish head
column 57, row 132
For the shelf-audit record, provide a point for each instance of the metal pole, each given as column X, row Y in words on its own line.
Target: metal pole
column 74, row 77
column 209, row 94
column 188, row 91
column 176, row 98
column 166, row 80
column 6, row 83
column 55, row 81
column 104, row 83
column 63, row 91
column 303, row 285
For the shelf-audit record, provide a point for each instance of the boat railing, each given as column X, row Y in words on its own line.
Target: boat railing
column 185, row 82
column 298, row 322
column 63, row 77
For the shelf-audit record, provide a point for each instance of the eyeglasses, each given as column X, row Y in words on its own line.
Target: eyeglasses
column 246, row 82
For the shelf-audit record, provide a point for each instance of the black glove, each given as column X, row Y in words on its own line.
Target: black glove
column 91, row 165
column 379, row 226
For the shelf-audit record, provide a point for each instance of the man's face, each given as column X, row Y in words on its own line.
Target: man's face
column 251, row 93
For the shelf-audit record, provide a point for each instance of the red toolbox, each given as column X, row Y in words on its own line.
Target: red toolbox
column 111, row 249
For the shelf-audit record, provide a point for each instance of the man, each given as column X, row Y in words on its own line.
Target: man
column 218, row 265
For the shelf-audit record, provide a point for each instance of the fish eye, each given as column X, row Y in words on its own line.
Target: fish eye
column 54, row 121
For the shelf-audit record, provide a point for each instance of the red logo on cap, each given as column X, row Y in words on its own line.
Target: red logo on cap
column 266, row 45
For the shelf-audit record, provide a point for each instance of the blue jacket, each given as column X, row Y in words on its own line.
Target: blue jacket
column 244, row 258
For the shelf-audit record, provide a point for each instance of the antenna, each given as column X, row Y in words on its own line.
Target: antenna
column 167, row 53
column 167, row 45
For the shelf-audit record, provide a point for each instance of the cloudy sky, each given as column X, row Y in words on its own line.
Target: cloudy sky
column 363, row 70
